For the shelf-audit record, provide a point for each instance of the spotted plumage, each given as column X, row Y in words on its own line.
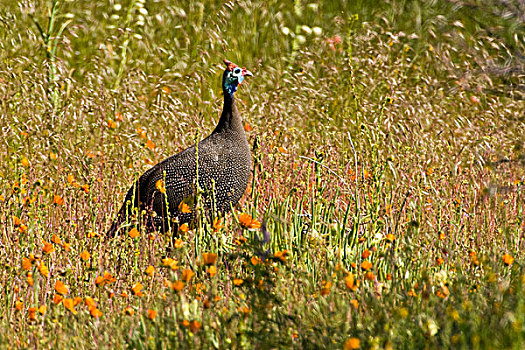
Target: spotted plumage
column 223, row 171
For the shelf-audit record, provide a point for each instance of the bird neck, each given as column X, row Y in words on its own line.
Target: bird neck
column 230, row 119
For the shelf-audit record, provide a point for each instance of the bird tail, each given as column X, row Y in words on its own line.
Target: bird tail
column 125, row 212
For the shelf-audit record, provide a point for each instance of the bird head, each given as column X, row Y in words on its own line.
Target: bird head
column 233, row 76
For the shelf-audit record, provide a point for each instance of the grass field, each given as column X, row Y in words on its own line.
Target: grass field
column 388, row 173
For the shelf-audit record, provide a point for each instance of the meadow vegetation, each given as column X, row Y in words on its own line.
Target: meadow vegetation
column 386, row 206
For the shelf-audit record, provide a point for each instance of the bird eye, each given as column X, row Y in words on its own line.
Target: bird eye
column 237, row 70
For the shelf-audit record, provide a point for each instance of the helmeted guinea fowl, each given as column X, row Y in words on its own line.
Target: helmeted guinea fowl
column 223, row 160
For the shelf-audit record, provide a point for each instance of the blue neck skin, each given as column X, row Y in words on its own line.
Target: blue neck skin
column 230, row 119
column 230, row 84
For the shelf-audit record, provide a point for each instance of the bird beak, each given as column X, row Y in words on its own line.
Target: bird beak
column 247, row 73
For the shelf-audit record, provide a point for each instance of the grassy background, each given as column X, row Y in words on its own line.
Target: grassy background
column 391, row 133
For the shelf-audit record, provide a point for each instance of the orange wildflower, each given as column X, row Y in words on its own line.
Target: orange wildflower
column 351, row 282
column 354, row 303
column 152, row 314
column 85, row 255
column 352, row 344
column 171, row 263
column 30, row 280
column 390, row 238
column 150, row 144
column 69, row 304
column 149, row 270
column 90, row 303
column 85, row 188
column 255, row 260
column 26, row 264
column 209, row 258
column 248, row 222
column 99, row 281
column 137, row 289
column 366, row 265
column 133, row 233
column 474, row 258
column 61, row 288
column 42, row 309
column 19, row 305
column 159, row 185
column 55, row 239
column 326, row 288
column 238, row 281
column 31, row 313
column 369, row 276
column 187, row 274
column 94, row 312
column 92, row 234
column 184, row 208
column 109, row 277
column 16, row 221
column 43, row 269
column 48, row 247
column 184, row 228
column 57, row 299
column 212, row 270
column 217, row 224
column 195, row 326
column 443, row 292
column 177, row 286
column 129, row 311
column 178, row 243
column 508, row 259
column 142, row 133
column 22, row 228
column 57, row 200
column 281, row 255
column 27, row 201
column 240, row 240
column 366, row 253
